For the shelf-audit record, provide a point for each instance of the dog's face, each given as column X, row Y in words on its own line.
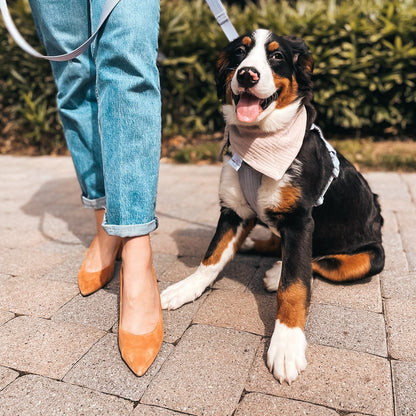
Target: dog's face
column 262, row 78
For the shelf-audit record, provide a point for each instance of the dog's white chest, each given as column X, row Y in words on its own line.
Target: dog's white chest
column 268, row 195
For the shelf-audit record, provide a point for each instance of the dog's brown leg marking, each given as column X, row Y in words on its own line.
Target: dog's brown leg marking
column 225, row 241
column 221, row 246
column 343, row 267
column 292, row 305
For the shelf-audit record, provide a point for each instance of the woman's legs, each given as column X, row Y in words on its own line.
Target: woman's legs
column 109, row 103
column 63, row 26
column 101, row 252
column 129, row 114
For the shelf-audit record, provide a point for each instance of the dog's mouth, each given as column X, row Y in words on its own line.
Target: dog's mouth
column 249, row 107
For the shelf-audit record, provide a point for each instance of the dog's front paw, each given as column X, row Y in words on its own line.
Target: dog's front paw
column 286, row 355
column 186, row 290
column 272, row 277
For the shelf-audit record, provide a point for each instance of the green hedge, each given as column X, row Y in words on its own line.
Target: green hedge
column 365, row 68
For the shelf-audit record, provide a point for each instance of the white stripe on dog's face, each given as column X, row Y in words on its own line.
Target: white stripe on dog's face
column 257, row 59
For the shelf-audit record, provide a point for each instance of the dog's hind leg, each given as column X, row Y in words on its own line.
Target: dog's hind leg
column 271, row 246
column 231, row 232
column 365, row 262
column 272, row 277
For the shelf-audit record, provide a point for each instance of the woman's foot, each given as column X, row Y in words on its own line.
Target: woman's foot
column 98, row 265
column 140, row 332
column 140, row 298
column 100, row 255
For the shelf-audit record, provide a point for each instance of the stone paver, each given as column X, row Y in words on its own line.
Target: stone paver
column 7, row 376
column 143, row 410
column 404, row 381
column 245, row 312
column 205, row 373
column 43, row 347
column 338, row 378
column 102, row 369
column 347, row 328
column 98, row 310
column 361, row 295
column 35, row 297
column 401, row 326
column 256, row 404
column 59, row 353
column 38, row 396
column 5, row 316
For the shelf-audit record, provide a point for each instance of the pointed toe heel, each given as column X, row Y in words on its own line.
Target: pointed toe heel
column 90, row 282
column 139, row 351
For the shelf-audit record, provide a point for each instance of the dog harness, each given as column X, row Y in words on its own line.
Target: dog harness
column 250, row 178
column 335, row 161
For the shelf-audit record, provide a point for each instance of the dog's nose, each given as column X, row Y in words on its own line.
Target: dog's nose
column 248, row 76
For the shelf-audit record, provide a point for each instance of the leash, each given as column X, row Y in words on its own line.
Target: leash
column 216, row 7
column 220, row 14
column 107, row 9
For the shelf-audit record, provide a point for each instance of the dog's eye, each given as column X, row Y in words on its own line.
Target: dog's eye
column 240, row 51
column 276, row 56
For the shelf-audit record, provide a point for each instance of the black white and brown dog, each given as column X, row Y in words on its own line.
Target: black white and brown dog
column 323, row 216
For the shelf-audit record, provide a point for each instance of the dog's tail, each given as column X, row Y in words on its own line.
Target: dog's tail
column 365, row 262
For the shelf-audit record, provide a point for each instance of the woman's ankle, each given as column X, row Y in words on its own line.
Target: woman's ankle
column 103, row 247
column 140, row 297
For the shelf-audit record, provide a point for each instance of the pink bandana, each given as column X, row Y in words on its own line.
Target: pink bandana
column 269, row 154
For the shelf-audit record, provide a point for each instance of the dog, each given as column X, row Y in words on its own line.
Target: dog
column 324, row 218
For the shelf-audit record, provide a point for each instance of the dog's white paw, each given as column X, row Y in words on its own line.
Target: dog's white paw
column 286, row 355
column 247, row 245
column 272, row 277
column 186, row 290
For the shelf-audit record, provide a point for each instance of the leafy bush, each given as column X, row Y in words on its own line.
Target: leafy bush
column 365, row 68
column 28, row 118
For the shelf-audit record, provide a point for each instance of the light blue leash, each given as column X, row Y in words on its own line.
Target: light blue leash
column 215, row 5
column 107, row 9
column 221, row 17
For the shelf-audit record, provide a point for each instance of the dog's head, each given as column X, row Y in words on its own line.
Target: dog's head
column 262, row 79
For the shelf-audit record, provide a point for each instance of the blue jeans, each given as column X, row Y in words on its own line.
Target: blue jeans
column 109, row 103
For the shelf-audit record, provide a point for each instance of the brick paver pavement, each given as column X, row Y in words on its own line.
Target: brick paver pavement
column 58, row 350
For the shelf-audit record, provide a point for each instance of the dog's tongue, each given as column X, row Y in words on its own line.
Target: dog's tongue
column 248, row 108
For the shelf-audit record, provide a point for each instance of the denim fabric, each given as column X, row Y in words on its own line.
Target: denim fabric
column 109, row 103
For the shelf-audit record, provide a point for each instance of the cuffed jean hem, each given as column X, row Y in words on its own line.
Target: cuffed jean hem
column 133, row 230
column 98, row 203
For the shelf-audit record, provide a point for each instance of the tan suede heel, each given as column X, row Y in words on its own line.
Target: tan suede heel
column 139, row 351
column 90, row 282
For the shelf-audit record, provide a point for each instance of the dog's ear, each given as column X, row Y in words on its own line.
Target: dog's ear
column 221, row 75
column 302, row 58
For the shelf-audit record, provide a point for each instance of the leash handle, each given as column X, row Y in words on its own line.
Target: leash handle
column 221, row 16
column 107, row 9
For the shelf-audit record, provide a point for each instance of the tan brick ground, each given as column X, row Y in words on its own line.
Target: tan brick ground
column 58, row 350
